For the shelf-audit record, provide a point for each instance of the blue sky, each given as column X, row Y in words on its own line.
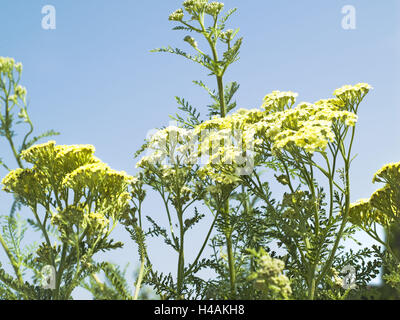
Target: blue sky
column 94, row 79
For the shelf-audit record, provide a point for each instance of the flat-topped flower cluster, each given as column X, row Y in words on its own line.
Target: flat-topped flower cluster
column 226, row 147
column 383, row 207
column 78, row 185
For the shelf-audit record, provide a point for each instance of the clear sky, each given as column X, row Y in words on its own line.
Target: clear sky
column 94, row 79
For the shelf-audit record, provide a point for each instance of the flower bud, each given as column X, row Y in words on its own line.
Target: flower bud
column 177, row 15
column 18, row 67
column 227, row 35
column 20, row 92
column 194, row 6
column 191, row 41
column 214, row 8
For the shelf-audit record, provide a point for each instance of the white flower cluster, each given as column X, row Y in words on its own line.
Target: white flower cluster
column 278, row 101
column 172, row 145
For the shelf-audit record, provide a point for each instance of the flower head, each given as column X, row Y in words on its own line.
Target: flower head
column 353, row 95
column 194, row 7
column 176, row 15
column 389, row 173
column 278, row 101
column 214, row 8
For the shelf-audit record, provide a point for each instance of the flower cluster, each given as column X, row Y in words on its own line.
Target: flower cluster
column 176, row 15
column 383, row 206
column 353, row 95
column 387, row 201
column 171, row 160
column 8, row 65
column 363, row 214
column 307, row 126
column 193, row 7
column 389, row 173
column 279, row 101
column 197, row 7
column 172, row 145
column 269, row 278
column 227, row 35
column 229, row 146
column 276, row 126
column 28, row 184
column 99, row 193
column 214, row 8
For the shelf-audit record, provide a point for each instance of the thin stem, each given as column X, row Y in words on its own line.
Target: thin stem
column 12, row 260
column 140, row 279
column 203, row 246
column 60, row 271
column 223, row 112
column 181, row 259
column 345, row 215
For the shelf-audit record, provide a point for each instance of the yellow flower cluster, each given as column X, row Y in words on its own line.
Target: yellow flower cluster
column 59, row 170
column 228, row 146
column 353, row 95
column 55, row 162
column 389, row 173
column 363, row 214
column 307, row 126
column 27, row 184
column 384, row 205
column 387, row 201
column 80, row 217
column 8, row 65
column 279, row 101
column 276, row 126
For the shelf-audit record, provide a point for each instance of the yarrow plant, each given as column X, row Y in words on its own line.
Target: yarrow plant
column 270, row 184
column 80, row 196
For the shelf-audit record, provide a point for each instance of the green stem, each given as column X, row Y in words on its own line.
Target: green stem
column 221, row 96
column 232, row 270
column 223, row 112
column 60, row 271
column 346, row 211
column 311, row 291
column 181, row 259
column 203, row 246
column 12, row 260
column 140, row 279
